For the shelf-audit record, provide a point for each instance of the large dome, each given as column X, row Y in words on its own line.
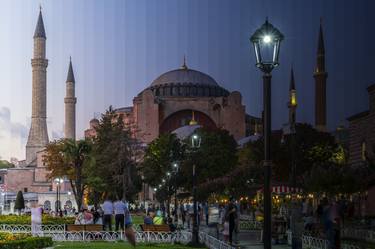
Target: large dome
column 186, row 82
column 184, row 76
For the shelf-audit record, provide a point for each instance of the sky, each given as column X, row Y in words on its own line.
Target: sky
column 119, row 47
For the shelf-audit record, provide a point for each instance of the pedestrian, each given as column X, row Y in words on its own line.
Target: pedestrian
column 107, row 214
column 225, row 230
column 36, row 220
column 119, row 210
column 231, row 215
column 206, row 213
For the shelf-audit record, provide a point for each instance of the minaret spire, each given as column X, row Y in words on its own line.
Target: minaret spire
column 39, row 29
column 70, row 104
column 38, row 134
column 320, row 76
column 292, row 103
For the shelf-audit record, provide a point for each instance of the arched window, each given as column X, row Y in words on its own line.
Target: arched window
column 47, row 205
column 363, row 151
column 68, row 204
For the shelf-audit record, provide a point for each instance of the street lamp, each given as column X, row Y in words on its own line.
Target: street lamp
column 58, row 182
column 195, row 144
column 266, row 41
column 175, row 170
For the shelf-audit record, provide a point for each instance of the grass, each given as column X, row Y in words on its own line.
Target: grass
column 137, row 219
column 115, row 245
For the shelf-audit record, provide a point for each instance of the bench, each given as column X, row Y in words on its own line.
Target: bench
column 86, row 228
column 155, row 228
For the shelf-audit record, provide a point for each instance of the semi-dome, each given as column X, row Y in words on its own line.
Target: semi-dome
column 186, row 82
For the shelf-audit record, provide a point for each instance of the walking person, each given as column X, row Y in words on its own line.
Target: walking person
column 36, row 220
column 231, row 215
column 206, row 213
column 107, row 214
column 119, row 210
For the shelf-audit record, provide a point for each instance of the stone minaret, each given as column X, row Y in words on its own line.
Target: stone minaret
column 70, row 105
column 292, row 103
column 38, row 135
column 320, row 76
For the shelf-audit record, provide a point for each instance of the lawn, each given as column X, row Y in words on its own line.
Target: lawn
column 115, row 245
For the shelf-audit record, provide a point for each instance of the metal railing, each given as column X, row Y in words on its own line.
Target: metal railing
column 27, row 228
column 310, row 242
column 250, row 225
column 359, row 234
column 213, row 243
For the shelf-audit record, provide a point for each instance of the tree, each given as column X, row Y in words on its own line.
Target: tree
column 158, row 166
column 115, row 173
column 71, row 159
column 216, row 157
column 20, row 202
column 5, row 164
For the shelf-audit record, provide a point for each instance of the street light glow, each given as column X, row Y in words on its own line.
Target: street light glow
column 267, row 39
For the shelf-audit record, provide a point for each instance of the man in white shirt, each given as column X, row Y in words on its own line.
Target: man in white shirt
column 107, row 214
column 119, row 209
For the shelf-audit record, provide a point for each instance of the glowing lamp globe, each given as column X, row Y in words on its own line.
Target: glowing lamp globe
column 266, row 41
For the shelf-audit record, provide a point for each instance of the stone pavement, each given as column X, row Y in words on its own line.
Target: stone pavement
column 245, row 239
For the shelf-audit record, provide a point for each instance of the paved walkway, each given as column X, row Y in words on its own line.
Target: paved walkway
column 244, row 240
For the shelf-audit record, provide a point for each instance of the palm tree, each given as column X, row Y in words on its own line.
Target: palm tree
column 71, row 159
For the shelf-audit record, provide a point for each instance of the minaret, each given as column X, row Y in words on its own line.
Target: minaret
column 70, row 104
column 292, row 103
column 38, row 135
column 320, row 76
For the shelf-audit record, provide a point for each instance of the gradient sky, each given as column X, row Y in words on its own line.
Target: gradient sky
column 119, row 46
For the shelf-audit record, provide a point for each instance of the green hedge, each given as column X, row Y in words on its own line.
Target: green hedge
column 26, row 220
column 27, row 243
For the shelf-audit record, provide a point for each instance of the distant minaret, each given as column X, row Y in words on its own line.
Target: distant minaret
column 38, row 135
column 320, row 76
column 292, row 103
column 70, row 104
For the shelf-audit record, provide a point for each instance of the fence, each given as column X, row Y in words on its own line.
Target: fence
column 213, row 243
column 309, row 242
column 359, row 234
column 46, row 229
column 58, row 233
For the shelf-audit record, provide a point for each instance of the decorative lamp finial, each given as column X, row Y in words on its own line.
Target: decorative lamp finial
column 184, row 64
column 193, row 121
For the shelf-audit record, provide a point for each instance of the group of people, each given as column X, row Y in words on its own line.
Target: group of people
column 104, row 213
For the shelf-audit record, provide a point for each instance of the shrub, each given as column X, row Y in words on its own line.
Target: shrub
column 23, row 241
column 26, row 220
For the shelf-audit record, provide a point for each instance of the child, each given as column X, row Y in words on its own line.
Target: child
column 225, row 230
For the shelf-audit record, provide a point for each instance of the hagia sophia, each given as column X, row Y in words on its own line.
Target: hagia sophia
column 170, row 102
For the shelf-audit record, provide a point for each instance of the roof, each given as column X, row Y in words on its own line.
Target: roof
column 248, row 139
column 358, row 115
column 70, row 77
column 124, row 109
column 184, row 75
column 371, row 88
column 39, row 30
column 185, row 131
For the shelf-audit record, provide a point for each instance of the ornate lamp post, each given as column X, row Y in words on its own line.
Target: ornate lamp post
column 266, row 41
column 58, row 182
column 195, row 144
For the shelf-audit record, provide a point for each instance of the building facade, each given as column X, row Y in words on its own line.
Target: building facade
column 362, row 145
column 172, row 100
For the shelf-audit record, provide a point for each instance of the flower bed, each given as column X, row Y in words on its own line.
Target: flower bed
column 26, row 220
column 23, row 241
